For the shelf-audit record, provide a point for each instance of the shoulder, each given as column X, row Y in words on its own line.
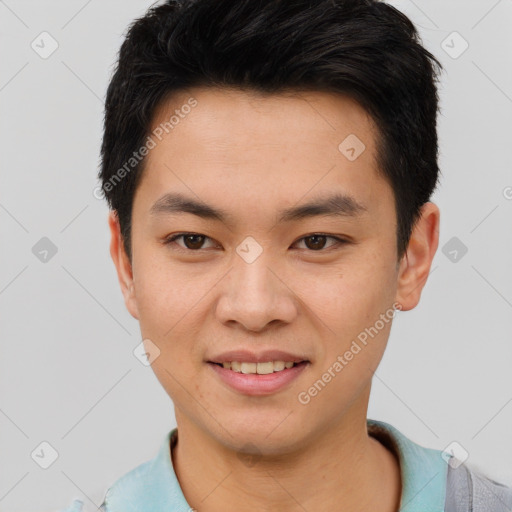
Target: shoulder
column 128, row 488
column 468, row 489
column 132, row 486
column 459, row 485
column 146, row 483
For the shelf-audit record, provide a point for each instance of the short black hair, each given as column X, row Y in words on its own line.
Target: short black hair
column 364, row 49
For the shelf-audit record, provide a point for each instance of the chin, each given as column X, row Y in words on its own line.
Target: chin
column 268, row 434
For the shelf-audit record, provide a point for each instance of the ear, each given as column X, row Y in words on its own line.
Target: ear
column 123, row 265
column 416, row 262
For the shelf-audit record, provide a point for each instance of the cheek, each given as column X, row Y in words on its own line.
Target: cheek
column 173, row 301
column 165, row 291
column 169, row 304
column 352, row 294
column 355, row 309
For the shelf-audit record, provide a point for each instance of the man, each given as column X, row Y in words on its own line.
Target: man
column 268, row 166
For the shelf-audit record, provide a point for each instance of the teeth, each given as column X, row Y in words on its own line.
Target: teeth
column 265, row 368
column 259, row 368
column 249, row 367
column 279, row 365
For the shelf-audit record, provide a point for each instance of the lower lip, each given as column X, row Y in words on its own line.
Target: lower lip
column 254, row 384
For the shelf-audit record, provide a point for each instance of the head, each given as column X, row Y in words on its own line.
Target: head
column 296, row 143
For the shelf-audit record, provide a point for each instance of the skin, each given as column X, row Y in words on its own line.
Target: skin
column 253, row 155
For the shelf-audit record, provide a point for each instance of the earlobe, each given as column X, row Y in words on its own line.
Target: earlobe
column 122, row 264
column 416, row 262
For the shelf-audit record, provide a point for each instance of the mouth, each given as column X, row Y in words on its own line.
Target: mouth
column 258, row 379
column 261, row 368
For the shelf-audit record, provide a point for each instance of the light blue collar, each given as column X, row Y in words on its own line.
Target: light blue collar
column 154, row 487
column 424, row 472
column 151, row 486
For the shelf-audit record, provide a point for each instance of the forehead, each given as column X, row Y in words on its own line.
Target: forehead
column 233, row 145
column 262, row 114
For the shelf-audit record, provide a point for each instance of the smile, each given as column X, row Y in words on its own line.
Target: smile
column 263, row 368
column 261, row 378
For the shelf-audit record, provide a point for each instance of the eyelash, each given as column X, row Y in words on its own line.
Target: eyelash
column 171, row 239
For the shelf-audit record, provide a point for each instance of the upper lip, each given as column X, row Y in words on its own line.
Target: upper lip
column 247, row 356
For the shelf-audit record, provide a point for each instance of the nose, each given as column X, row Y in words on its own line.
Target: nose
column 255, row 295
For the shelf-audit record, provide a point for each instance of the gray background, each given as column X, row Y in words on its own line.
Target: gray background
column 68, row 375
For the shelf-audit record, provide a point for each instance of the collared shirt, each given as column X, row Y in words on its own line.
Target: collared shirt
column 153, row 486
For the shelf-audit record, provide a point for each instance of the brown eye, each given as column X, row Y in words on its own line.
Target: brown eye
column 191, row 241
column 194, row 241
column 315, row 242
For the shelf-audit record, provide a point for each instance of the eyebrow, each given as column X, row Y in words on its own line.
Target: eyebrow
column 337, row 205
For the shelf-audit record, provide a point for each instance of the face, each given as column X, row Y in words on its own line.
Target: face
column 254, row 275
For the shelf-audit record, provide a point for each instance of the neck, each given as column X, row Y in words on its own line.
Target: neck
column 342, row 465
